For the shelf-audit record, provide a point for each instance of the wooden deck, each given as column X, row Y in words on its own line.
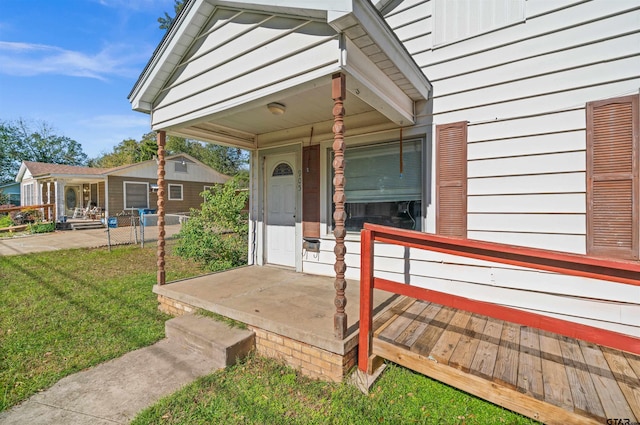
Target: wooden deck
column 548, row 377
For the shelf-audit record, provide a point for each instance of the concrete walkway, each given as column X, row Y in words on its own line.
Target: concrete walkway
column 115, row 391
column 69, row 239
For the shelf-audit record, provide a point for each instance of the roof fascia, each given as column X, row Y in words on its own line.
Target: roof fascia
column 21, row 171
column 366, row 15
column 376, row 88
column 176, row 39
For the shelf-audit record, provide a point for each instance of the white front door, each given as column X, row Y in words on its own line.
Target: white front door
column 280, row 238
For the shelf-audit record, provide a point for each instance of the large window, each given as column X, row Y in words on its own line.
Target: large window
column 383, row 186
column 136, row 195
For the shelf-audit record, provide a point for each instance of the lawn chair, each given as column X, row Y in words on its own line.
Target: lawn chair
column 78, row 213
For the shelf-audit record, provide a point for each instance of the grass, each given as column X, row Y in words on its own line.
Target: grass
column 263, row 391
column 64, row 311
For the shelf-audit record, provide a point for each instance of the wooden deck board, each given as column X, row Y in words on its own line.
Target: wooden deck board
column 628, row 380
column 417, row 326
column 443, row 349
column 465, row 350
column 484, row 360
column 613, row 401
column 398, row 325
column 554, row 374
column 542, row 375
column 436, row 327
column 506, row 368
column 530, row 368
column 585, row 397
column 386, row 318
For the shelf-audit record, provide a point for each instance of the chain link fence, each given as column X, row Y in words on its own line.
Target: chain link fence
column 128, row 229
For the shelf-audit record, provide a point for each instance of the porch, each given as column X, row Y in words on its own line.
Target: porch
column 540, row 374
column 291, row 313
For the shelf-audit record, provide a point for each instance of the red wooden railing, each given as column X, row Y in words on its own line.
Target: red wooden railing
column 627, row 273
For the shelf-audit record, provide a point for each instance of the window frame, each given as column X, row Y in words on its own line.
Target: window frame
column 418, row 219
column 29, row 194
column 169, row 197
column 124, row 194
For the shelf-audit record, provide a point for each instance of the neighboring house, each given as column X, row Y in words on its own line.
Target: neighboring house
column 114, row 190
column 12, row 191
column 510, row 121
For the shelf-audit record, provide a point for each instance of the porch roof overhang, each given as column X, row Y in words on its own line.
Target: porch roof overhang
column 383, row 80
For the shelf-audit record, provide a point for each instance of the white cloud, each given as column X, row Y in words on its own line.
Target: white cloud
column 28, row 59
column 115, row 121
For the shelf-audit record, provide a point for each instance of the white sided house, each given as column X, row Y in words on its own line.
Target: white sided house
column 506, row 121
column 112, row 191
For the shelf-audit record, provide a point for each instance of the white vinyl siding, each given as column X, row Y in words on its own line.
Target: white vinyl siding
column 136, row 195
column 241, row 56
column 523, row 89
column 461, row 19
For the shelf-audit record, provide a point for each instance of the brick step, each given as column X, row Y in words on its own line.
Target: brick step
column 216, row 340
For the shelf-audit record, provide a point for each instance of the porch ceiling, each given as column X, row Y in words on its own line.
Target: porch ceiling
column 254, row 126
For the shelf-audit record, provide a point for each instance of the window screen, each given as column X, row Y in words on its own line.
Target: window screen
column 136, row 195
column 175, row 192
column 380, row 188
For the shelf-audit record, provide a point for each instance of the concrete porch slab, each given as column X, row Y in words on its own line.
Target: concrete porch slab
column 295, row 305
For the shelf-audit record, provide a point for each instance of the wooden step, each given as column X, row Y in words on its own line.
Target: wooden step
column 217, row 340
column 87, row 225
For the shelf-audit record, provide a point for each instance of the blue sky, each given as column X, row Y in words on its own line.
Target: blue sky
column 72, row 64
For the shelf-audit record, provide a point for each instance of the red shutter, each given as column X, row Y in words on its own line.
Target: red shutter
column 311, row 191
column 612, row 177
column 451, row 179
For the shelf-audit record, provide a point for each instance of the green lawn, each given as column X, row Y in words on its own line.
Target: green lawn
column 64, row 311
column 263, row 391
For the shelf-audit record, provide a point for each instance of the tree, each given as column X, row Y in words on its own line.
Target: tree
column 22, row 141
column 166, row 21
column 129, row 151
column 216, row 235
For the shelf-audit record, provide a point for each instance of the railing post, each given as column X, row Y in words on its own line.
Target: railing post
column 161, row 192
column 338, row 94
column 366, row 299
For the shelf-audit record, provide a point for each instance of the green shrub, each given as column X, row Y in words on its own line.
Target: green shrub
column 216, row 235
column 41, row 227
column 5, row 221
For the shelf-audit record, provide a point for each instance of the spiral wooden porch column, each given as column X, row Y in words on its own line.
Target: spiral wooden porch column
column 338, row 93
column 162, row 140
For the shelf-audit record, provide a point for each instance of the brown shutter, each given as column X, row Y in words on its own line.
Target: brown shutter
column 612, row 177
column 451, row 179
column 311, row 191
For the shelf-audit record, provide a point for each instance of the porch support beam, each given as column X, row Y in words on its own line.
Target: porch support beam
column 374, row 87
column 338, row 93
column 162, row 140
